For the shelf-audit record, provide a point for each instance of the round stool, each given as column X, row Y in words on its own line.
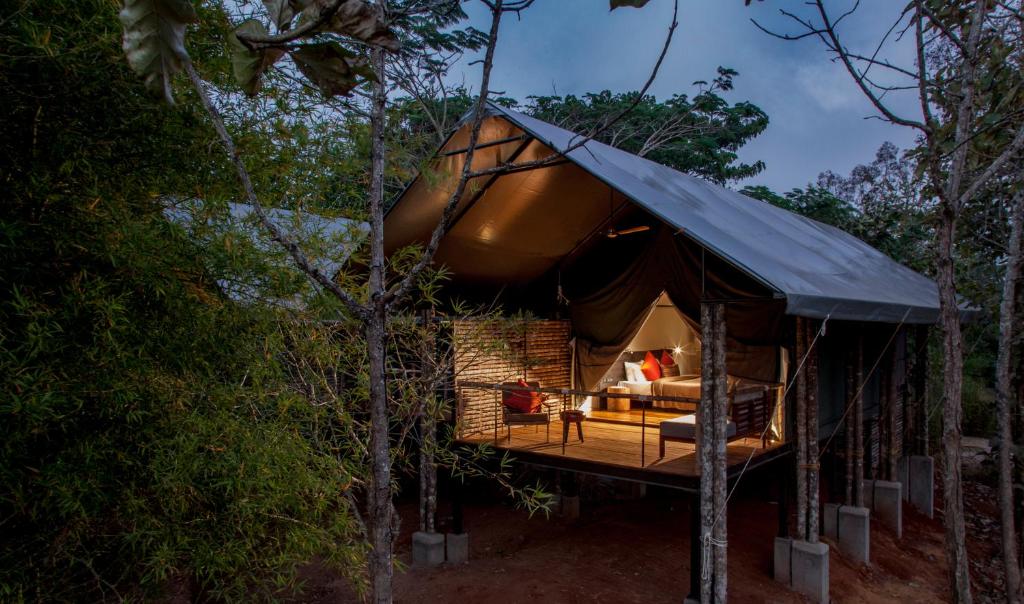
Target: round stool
column 573, row 416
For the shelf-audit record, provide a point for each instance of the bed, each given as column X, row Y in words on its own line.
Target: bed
column 684, row 386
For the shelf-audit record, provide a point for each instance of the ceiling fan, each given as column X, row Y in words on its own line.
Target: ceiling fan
column 613, row 233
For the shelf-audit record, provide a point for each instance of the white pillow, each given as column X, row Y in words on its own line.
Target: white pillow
column 634, row 373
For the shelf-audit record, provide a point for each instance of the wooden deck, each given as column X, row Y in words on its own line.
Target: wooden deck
column 614, row 449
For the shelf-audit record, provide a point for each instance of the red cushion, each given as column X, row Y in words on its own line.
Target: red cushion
column 666, row 359
column 650, row 367
column 521, row 401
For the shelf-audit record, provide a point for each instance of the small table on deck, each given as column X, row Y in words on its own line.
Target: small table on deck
column 616, row 403
column 573, row 416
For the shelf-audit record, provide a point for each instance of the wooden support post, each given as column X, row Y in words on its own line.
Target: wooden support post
column 711, row 437
column 813, row 471
column 858, row 424
column 801, row 431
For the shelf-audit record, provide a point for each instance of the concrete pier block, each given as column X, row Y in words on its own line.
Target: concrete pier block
column 810, row 570
column 456, row 547
column 781, row 560
column 920, row 483
column 427, row 549
column 868, row 488
column 571, row 507
column 830, row 520
column 888, row 505
column 855, row 532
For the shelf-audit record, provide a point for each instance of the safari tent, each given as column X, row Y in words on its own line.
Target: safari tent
column 621, row 260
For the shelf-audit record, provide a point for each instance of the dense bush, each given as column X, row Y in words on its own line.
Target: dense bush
column 147, row 433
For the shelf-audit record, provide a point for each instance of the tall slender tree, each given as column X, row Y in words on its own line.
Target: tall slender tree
column 338, row 46
column 965, row 77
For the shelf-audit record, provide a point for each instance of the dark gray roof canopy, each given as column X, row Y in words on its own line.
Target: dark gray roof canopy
column 819, row 270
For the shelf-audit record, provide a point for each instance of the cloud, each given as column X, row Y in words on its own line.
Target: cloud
column 817, row 113
column 829, row 86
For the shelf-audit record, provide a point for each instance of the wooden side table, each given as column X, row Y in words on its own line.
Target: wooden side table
column 573, row 416
column 615, row 403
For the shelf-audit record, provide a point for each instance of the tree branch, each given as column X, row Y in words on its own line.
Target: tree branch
column 1015, row 146
column 325, row 15
column 276, row 233
column 558, row 155
column 398, row 291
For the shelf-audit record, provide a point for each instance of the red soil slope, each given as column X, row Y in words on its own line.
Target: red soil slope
column 637, row 551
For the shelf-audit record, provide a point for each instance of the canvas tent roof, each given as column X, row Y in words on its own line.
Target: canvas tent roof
column 515, row 228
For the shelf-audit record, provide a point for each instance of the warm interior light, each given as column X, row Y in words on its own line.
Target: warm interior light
column 677, row 350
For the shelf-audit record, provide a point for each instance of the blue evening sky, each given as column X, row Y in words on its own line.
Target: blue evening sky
column 817, row 114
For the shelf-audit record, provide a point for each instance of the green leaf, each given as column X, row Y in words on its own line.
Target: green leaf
column 331, row 68
column 154, row 40
column 249, row 65
column 357, row 19
column 634, row 3
column 281, row 13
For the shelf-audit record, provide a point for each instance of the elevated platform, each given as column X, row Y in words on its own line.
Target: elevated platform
column 624, row 450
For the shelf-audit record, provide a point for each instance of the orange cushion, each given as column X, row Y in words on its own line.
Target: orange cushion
column 666, row 359
column 650, row 367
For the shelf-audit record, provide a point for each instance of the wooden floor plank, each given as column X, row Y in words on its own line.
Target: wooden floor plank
column 616, row 444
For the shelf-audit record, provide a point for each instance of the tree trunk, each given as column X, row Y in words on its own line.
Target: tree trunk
column 884, row 415
column 952, row 413
column 721, row 411
column 429, row 376
column 813, row 473
column 920, row 386
column 712, row 423
column 704, row 444
column 858, row 425
column 1004, row 385
column 801, row 431
column 894, row 409
column 849, row 430
column 428, row 473
column 382, row 538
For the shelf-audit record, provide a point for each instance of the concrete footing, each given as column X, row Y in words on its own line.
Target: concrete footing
column 830, row 520
column 917, row 473
column 427, row 549
column 571, row 507
column 888, row 505
column 781, row 560
column 456, row 547
column 854, row 528
column 809, row 564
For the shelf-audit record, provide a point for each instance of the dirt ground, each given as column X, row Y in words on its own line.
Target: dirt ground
column 636, row 550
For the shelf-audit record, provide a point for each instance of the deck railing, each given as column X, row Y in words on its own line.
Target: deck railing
column 568, row 400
